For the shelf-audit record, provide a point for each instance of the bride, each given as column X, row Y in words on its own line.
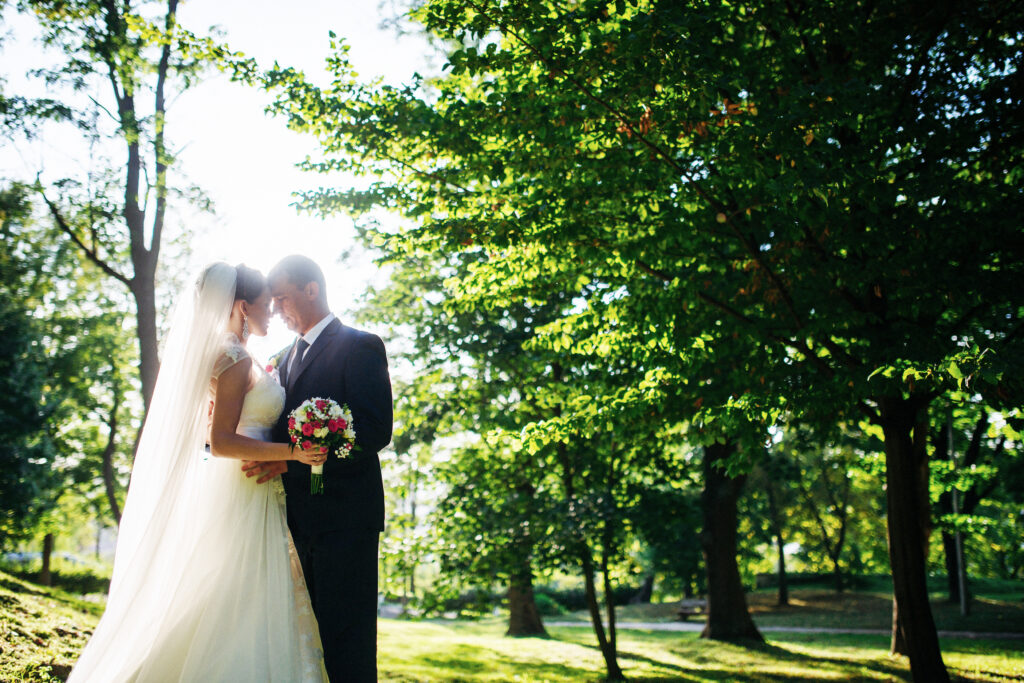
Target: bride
column 206, row 585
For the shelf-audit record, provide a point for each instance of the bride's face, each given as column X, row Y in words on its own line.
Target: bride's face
column 259, row 314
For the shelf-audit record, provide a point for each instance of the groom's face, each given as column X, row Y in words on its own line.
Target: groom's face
column 290, row 302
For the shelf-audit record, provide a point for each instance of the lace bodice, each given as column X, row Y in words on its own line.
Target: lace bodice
column 264, row 401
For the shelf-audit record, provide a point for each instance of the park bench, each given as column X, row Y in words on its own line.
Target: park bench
column 691, row 608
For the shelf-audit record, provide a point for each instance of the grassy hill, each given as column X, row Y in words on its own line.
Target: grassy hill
column 42, row 630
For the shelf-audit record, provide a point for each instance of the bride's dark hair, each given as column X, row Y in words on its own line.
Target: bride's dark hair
column 249, row 283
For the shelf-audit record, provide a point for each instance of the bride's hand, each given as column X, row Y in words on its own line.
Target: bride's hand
column 314, row 456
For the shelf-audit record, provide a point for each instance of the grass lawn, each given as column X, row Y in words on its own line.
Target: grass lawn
column 462, row 651
column 42, row 630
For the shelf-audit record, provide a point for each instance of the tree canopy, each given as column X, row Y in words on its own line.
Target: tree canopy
column 803, row 208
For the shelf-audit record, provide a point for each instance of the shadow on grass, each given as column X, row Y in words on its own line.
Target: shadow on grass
column 472, row 660
column 18, row 587
column 780, row 653
column 708, row 664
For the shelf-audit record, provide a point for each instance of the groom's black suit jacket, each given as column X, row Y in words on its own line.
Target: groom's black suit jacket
column 349, row 366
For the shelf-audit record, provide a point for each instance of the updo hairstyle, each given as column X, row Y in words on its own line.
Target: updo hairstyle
column 249, row 283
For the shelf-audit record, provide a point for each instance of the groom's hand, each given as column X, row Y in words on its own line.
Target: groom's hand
column 266, row 470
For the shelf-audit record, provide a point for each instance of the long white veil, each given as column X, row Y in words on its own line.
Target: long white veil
column 176, row 424
column 157, row 518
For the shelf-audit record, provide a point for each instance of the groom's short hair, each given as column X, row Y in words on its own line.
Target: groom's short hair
column 300, row 271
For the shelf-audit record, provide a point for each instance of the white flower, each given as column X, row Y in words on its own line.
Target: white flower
column 350, row 434
column 320, row 433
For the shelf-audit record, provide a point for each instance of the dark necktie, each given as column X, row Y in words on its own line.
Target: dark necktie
column 293, row 367
column 300, row 352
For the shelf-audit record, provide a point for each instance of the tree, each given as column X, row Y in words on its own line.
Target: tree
column 113, row 47
column 27, row 477
column 67, row 366
column 782, row 194
column 981, row 471
column 510, row 506
column 472, row 376
column 771, row 492
column 667, row 518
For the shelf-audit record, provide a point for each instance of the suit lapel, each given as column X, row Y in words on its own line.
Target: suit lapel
column 318, row 346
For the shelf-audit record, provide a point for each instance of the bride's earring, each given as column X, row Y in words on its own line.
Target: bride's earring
column 245, row 326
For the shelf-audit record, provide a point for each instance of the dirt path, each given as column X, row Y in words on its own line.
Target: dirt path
column 699, row 626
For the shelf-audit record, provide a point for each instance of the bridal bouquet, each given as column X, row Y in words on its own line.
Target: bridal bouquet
column 322, row 422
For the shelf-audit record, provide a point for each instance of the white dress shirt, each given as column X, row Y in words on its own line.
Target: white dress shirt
column 311, row 337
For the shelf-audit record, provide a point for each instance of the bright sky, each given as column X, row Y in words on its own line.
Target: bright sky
column 241, row 157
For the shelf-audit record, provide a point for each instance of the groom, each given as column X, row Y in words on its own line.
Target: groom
column 336, row 533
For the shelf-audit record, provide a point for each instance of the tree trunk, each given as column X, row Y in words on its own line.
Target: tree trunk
column 413, row 480
column 913, row 626
column 143, row 289
column 611, row 661
column 643, row 596
column 776, row 522
column 971, row 498
column 586, row 560
column 728, row 616
column 45, row 578
column 609, row 595
column 109, row 481
column 783, row 600
column 523, row 616
column 952, row 567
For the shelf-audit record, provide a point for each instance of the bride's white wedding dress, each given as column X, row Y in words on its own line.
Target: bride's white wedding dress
column 222, row 596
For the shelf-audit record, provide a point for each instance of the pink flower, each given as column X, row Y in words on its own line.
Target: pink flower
column 309, row 414
column 291, row 423
column 321, row 404
column 270, row 369
column 307, row 429
column 317, row 425
column 294, row 438
column 332, row 425
column 306, row 445
column 342, row 424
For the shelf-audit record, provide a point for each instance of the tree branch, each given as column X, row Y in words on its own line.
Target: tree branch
column 813, row 509
column 974, row 447
column 93, row 255
column 159, row 146
column 732, row 312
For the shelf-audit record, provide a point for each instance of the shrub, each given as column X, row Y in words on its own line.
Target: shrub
column 547, row 605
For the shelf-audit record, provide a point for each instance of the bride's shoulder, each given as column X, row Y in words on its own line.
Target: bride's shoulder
column 232, row 346
column 232, row 352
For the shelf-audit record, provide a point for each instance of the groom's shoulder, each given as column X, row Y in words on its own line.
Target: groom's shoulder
column 363, row 338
